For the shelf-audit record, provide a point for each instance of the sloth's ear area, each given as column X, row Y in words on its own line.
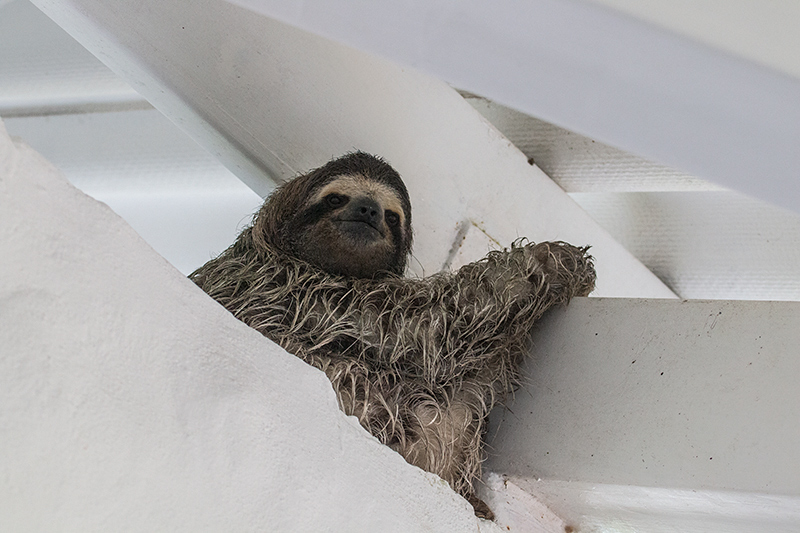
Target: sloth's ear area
column 281, row 207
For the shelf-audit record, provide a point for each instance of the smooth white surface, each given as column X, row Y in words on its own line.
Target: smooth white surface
column 252, row 89
column 600, row 508
column 43, row 70
column 516, row 510
column 130, row 401
column 137, row 151
column 177, row 196
column 657, row 415
column 594, row 71
column 764, row 31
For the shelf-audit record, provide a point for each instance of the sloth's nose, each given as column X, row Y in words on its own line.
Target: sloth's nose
column 366, row 209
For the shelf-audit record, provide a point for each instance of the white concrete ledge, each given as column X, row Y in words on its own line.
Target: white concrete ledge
column 659, row 415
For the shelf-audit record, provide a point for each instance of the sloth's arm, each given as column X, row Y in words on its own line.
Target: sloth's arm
column 519, row 283
column 513, row 287
column 455, row 322
column 555, row 271
column 437, row 328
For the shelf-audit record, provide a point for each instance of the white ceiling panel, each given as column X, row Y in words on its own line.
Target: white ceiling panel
column 581, row 164
column 707, row 245
column 44, row 70
column 763, row 31
column 126, row 151
column 186, row 228
column 702, row 240
column 177, row 196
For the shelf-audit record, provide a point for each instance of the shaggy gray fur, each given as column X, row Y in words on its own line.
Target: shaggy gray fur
column 420, row 362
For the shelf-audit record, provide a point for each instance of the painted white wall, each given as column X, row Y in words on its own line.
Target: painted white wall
column 130, row 401
column 657, row 416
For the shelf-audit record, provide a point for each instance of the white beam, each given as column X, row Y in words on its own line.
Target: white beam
column 761, row 31
column 179, row 198
column 264, row 96
column 592, row 70
column 43, row 70
column 659, row 416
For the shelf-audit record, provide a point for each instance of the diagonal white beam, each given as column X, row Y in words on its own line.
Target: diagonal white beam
column 595, row 71
column 269, row 99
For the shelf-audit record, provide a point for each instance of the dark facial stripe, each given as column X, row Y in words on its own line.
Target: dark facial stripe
column 313, row 214
column 367, row 165
column 400, row 252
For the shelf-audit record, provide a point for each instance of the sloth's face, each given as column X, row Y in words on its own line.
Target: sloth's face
column 352, row 226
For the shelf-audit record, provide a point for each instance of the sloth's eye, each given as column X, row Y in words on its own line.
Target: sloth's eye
column 392, row 218
column 335, row 200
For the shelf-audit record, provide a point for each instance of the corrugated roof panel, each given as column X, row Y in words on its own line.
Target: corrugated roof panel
column 124, row 151
column 45, row 70
column 580, row 164
column 714, row 245
column 177, row 196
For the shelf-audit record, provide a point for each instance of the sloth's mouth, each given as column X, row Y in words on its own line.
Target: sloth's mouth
column 361, row 229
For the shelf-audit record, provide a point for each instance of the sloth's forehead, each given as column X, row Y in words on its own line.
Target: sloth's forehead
column 355, row 186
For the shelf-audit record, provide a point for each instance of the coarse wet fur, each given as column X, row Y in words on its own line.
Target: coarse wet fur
column 419, row 362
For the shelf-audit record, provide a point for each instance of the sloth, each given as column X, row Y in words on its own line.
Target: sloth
column 419, row 361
